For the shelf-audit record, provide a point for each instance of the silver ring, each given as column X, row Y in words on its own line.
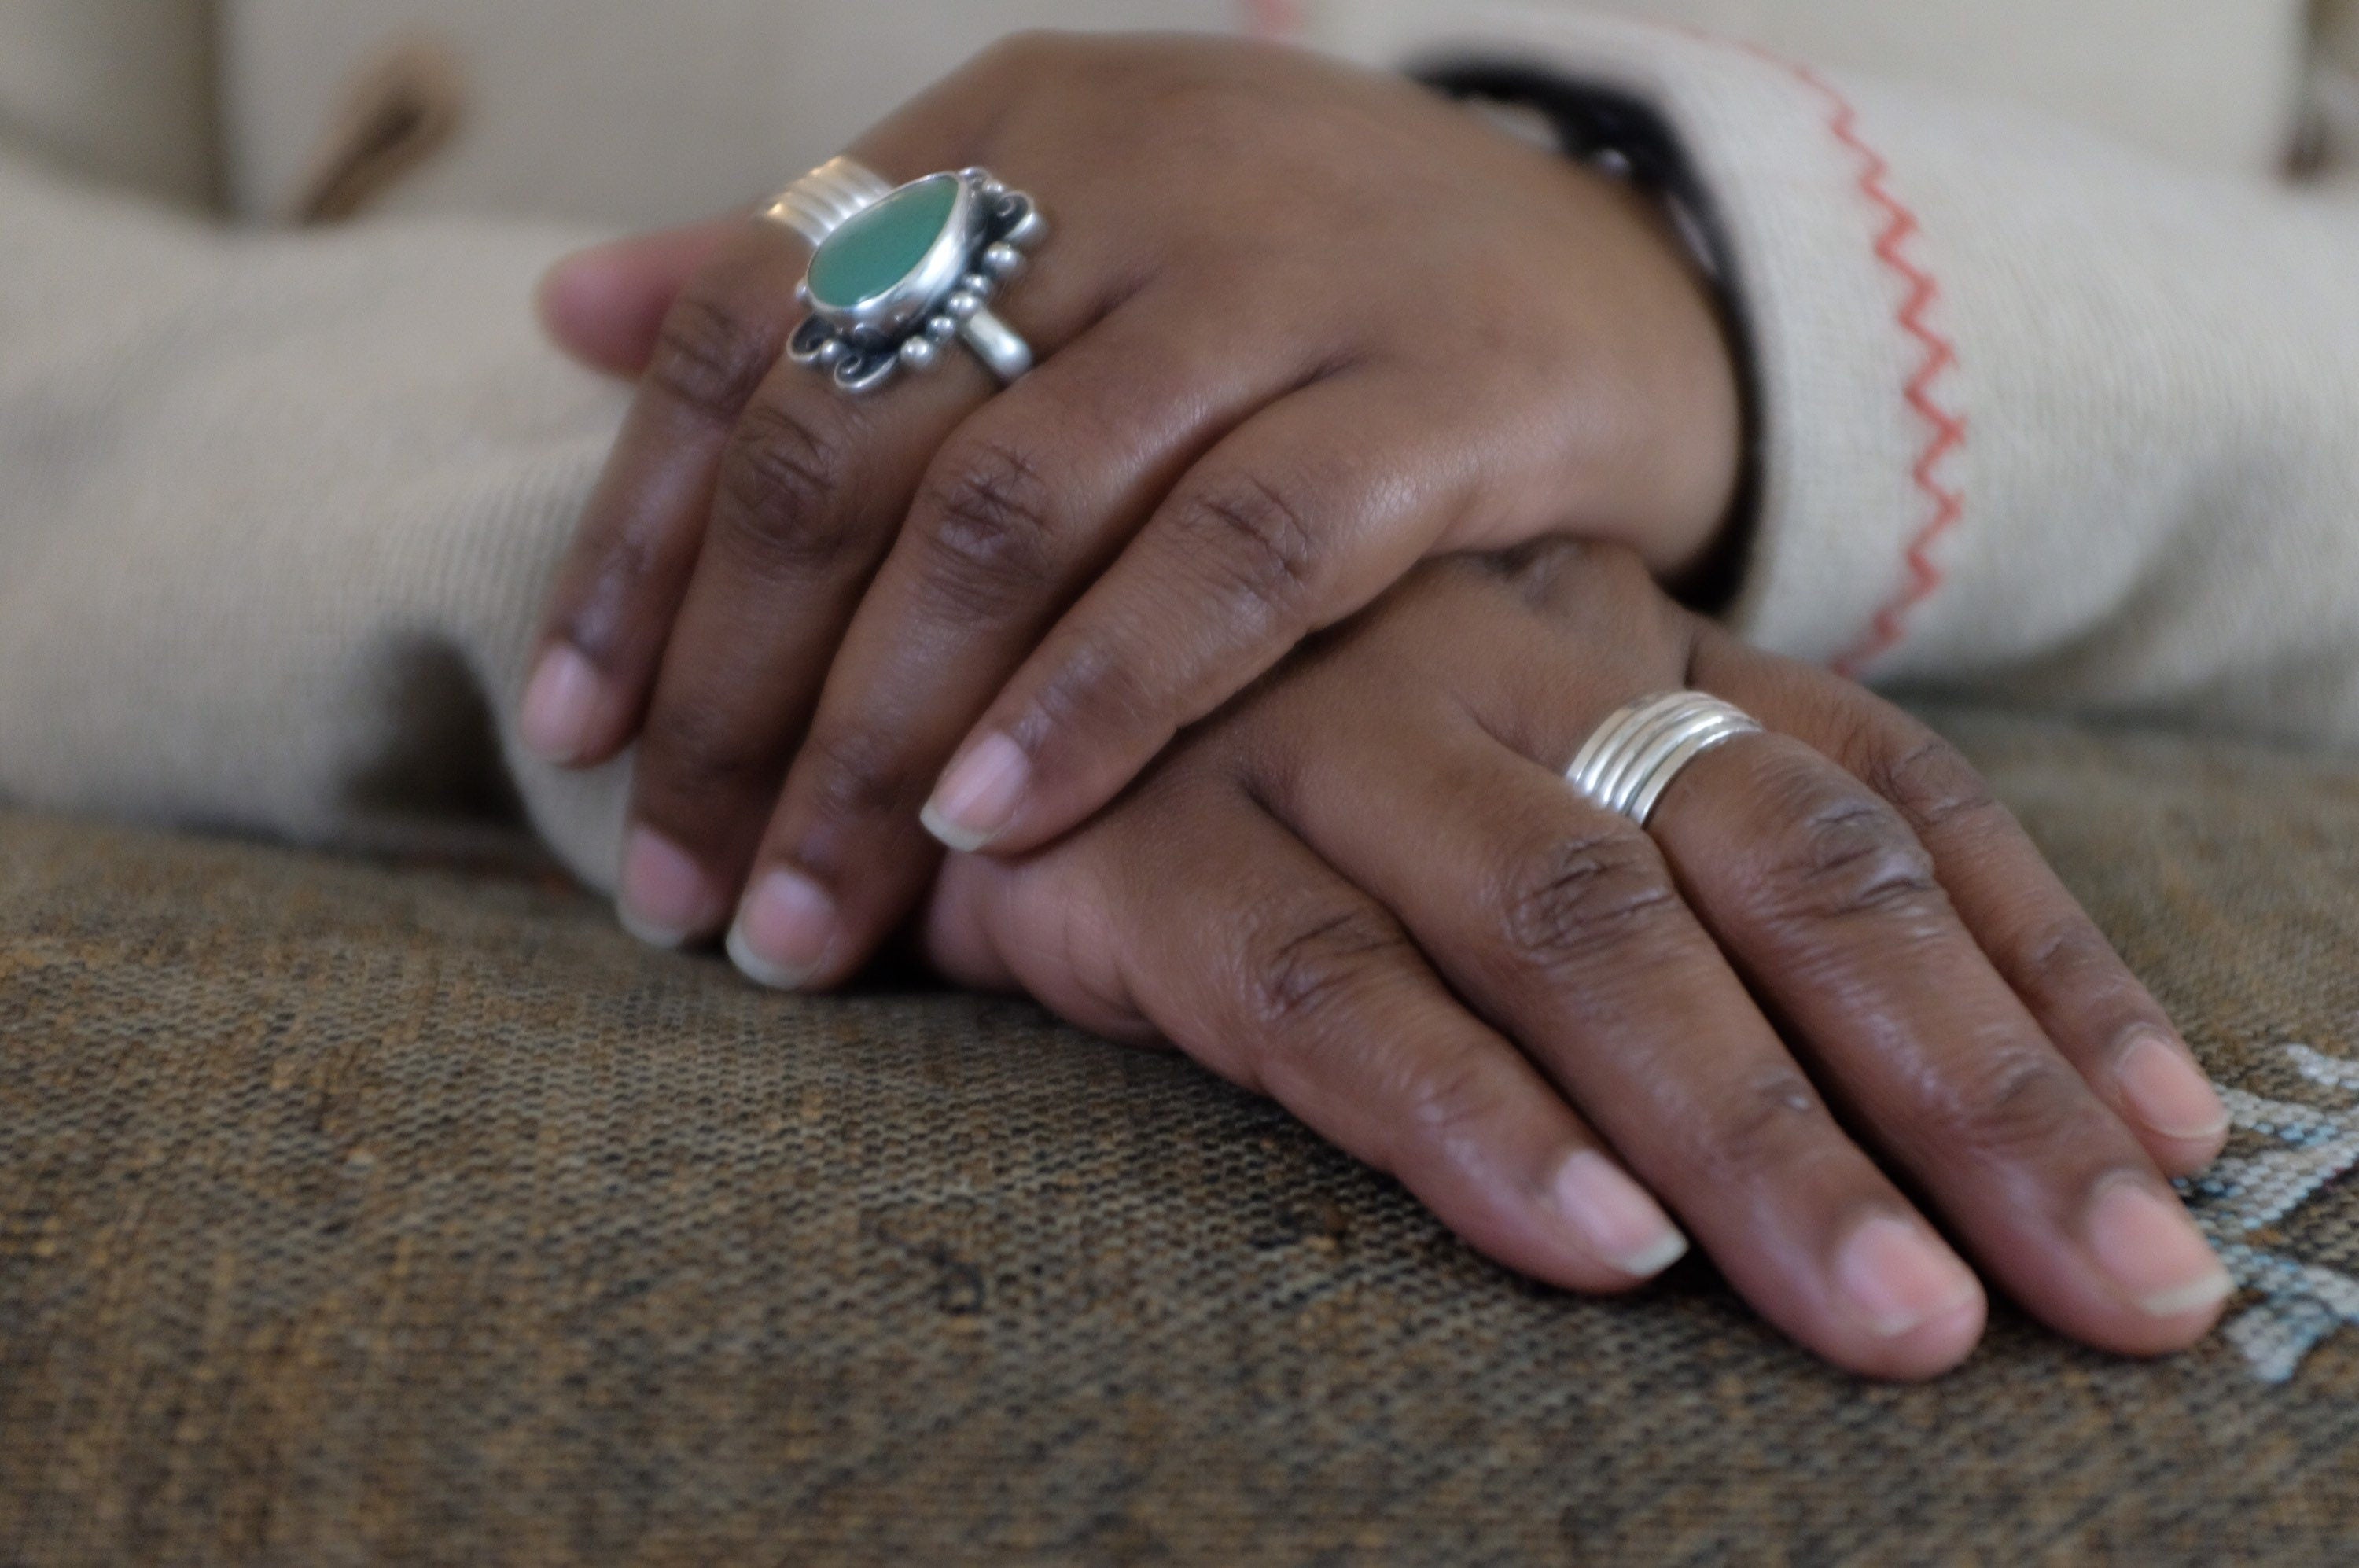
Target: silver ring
column 1633, row 756
column 898, row 273
column 816, row 205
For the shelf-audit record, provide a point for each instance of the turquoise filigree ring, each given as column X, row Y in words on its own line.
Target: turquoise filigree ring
column 899, row 274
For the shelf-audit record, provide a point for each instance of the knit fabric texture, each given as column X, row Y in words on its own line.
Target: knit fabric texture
column 362, row 1213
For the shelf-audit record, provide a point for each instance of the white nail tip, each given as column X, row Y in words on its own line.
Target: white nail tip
column 647, row 932
column 963, row 840
column 1654, row 1259
column 1892, row 1325
column 2189, row 1298
column 752, row 966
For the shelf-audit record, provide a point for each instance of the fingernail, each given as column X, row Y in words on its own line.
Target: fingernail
column 559, row 703
column 1621, row 1223
column 1900, row 1278
column 783, row 933
column 2169, row 1093
column 2154, row 1252
column 665, row 898
column 977, row 797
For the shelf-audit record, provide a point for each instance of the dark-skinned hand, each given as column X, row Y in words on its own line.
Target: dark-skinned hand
column 1831, row 1017
column 1300, row 327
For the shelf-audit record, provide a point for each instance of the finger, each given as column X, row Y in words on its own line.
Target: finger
column 2034, row 932
column 1296, row 520
column 812, row 487
column 606, row 306
column 1205, row 918
column 622, row 580
column 1563, row 925
column 1030, row 496
column 1833, row 911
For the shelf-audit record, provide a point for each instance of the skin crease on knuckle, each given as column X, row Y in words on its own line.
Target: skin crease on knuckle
column 709, row 358
column 1580, row 904
column 1833, row 853
column 991, row 533
column 695, row 756
column 784, row 478
column 1311, row 992
column 598, row 620
column 1294, row 971
column 855, row 776
column 1262, row 550
column 1935, row 788
column 2015, row 1107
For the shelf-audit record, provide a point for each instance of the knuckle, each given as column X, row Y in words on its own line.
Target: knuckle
column 852, row 774
column 2007, row 1100
column 2070, row 956
column 1304, row 969
column 1584, row 898
column 709, row 358
column 1769, row 1119
column 1849, row 856
column 1442, row 1103
column 993, row 527
column 1095, row 690
column 695, row 747
column 609, row 613
column 1934, row 786
column 1258, row 544
column 783, row 480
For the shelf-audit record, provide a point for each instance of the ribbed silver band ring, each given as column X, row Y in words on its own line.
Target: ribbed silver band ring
column 817, row 205
column 1634, row 755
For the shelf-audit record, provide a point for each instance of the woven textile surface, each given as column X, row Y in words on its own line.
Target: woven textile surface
column 351, row 1214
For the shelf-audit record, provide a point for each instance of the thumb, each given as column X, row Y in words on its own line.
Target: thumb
column 607, row 305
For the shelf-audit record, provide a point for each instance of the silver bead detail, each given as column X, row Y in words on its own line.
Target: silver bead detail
column 921, row 352
column 981, row 285
column 1029, row 232
column 962, row 305
column 1001, row 261
column 942, row 329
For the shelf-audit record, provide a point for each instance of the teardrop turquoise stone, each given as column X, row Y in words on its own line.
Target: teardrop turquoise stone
column 876, row 250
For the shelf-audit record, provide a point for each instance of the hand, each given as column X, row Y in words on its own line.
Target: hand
column 1367, row 891
column 1301, row 327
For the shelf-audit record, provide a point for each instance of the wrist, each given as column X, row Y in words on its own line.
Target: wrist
column 1695, row 540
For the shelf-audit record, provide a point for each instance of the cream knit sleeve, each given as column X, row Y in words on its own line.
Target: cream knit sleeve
column 2040, row 420
column 275, row 515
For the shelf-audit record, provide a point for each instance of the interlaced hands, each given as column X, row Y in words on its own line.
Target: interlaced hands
column 1308, row 338
column 1300, row 327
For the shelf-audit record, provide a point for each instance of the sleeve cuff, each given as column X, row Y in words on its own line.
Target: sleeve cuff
column 1858, row 396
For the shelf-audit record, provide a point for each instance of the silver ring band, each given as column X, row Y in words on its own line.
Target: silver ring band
column 817, row 205
column 868, row 335
column 1636, row 754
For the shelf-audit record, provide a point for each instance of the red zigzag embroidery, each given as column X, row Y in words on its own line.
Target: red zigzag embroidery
column 1948, row 427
